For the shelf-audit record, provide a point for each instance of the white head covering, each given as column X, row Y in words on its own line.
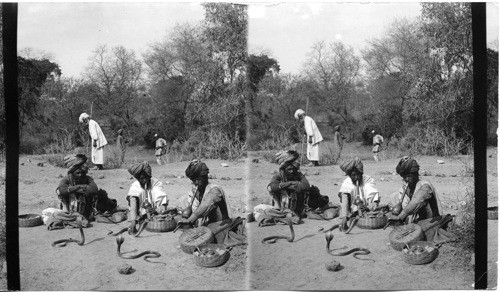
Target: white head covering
column 299, row 112
column 373, row 131
column 83, row 116
column 156, row 135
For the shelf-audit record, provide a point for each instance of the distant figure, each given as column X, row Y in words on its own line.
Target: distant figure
column 313, row 137
column 377, row 141
column 160, row 149
column 338, row 141
column 121, row 144
column 98, row 140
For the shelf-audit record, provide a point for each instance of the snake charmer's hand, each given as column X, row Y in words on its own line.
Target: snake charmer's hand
column 310, row 140
column 95, row 143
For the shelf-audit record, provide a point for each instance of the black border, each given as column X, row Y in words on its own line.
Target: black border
column 480, row 129
column 9, row 38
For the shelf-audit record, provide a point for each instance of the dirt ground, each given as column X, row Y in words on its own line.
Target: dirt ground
column 299, row 265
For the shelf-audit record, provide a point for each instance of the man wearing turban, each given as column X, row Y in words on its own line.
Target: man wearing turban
column 210, row 203
column 357, row 184
column 76, row 190
column 146, row 193
column 98, row 140
column 289, row 186
column 421, row 200
column 313, row 136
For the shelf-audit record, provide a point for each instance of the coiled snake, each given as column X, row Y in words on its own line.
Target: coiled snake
column 356, row 251
column 63, row 242
column 274, row 238
column 147, row 254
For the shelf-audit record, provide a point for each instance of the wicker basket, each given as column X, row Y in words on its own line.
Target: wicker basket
column 191, row 238
column 214, row 260
column 422, row 258
column 373, row 222
column 492, row 213
column 30, row 220
column 405, row 234
column 161, row 224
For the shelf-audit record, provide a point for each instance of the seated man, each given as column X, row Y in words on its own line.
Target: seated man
column 210, row 203
column 146, row 193
column 289, row 186
column 77, row 189
column 368, row 195
column 421, row 199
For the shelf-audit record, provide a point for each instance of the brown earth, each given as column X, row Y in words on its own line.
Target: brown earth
column 281, row 266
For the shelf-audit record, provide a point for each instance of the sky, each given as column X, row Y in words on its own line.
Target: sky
column 70, row 32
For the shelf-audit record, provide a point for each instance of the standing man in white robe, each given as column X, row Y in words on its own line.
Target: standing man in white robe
column 313, row 137
column 98, row 140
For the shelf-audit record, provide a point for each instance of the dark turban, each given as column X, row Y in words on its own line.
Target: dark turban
column 349, row 166
column 136, row 169
column 74, row 162
column 285, row 158
column 406, row 166
column 196, row 169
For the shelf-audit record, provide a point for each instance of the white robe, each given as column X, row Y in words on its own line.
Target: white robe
column 97, row 134
column 185, row 201
column 367, row 191
column 312, row 130
column 156, row 195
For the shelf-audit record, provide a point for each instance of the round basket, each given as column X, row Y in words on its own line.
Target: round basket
column 405, row 234
column 191, row 238
column 30, row 220
column 420, row 258
column 211, row 261
column 375, row 222
column 492, row 213
column 161, row 224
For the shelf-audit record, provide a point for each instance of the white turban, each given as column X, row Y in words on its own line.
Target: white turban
column 299, row 112
column 83, row 116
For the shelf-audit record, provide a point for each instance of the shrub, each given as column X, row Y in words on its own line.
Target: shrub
column 55, row 159
column 433, row 141
column 464, row 224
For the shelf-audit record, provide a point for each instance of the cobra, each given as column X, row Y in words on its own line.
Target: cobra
column 274, row 238
column 356, row 251
column 147, row 254
column 64, row 242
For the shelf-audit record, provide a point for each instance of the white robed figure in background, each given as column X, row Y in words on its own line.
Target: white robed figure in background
column 313, row 137
column 98, row 140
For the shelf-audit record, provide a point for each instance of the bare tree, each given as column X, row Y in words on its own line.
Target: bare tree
column 116, row 76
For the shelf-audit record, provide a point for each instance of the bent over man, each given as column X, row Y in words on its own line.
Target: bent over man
column 98, row 140
column 313, row 137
